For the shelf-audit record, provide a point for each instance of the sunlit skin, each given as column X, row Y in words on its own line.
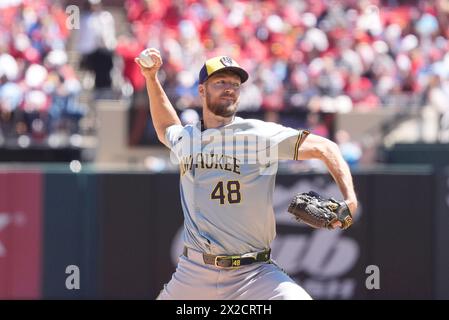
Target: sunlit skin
column 220, row 96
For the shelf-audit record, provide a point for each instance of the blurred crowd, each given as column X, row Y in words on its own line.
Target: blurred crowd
column 38, row 88
column 323, row 55
column 312, row 56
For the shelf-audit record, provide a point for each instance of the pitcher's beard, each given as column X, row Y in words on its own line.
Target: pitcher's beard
column 223, row 109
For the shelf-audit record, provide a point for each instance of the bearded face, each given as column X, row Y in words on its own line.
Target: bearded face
column 222, row 93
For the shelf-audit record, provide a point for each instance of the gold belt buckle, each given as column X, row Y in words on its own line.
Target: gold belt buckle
column 235, row 261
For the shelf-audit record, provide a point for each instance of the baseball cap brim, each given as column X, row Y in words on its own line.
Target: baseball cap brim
column 237, row 70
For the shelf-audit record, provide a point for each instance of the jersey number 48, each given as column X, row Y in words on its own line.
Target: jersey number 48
column 232, row 192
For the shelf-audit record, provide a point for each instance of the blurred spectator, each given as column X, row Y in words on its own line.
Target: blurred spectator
column 350, row 150
column 438, row 97
column 96, row 43
column 128, row 48
column 315, row 125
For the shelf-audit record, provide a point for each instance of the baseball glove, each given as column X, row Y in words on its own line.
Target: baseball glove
column 318, row 212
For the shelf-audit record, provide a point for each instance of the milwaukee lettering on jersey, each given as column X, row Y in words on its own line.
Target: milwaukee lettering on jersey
column 210, row 161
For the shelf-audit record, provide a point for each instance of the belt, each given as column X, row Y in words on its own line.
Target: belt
column 229, row 261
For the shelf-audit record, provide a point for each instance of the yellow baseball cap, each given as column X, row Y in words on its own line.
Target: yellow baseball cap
column 221, row 63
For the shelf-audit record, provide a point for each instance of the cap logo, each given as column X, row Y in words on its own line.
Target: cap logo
column 226, row 61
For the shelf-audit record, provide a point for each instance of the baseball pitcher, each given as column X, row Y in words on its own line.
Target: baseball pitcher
column 227, row 176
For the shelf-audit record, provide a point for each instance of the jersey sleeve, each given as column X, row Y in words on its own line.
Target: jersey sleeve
column 286, row 141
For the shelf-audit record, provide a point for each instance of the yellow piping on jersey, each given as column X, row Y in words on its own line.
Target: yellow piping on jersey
column 301, row 137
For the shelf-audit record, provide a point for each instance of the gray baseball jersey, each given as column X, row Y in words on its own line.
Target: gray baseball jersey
column 227, row 177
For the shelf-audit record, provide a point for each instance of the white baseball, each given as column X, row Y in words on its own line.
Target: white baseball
column 145, row 59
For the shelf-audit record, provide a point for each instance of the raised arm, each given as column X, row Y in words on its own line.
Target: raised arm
column 316, row 147
column 162, row 111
